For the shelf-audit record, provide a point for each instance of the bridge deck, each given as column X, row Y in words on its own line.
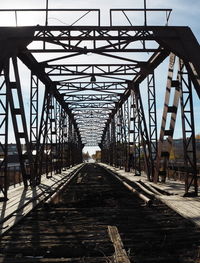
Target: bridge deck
column 95, row 219
column 21, row 200
column 188, row 207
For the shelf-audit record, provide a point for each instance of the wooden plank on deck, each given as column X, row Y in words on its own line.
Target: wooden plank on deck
column 120, row 253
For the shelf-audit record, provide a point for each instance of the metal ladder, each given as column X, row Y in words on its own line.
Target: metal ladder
column 15, row 99
column 166, row 133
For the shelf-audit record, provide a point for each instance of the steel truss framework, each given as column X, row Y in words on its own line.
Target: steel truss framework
column 96, row 103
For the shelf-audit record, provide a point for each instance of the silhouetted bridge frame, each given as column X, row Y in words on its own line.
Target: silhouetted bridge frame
column 79, row 110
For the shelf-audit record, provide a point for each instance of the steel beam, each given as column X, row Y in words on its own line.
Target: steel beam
column 18, row 118
column 34, row 100
column 188, row 124
column 93, row 70
column 169, row 112
column 4, row 180
column 152, row 114
column 143, row 133
column 32, row 64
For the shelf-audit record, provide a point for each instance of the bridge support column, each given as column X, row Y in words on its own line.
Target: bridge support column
column 171, row 102
column 188, row 127
column 15, row 100
column 143, row 132
column 4, row 183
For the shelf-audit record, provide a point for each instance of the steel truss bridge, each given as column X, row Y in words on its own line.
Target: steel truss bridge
column 85, row 89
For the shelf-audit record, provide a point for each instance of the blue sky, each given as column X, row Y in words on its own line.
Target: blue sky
column 185, row 13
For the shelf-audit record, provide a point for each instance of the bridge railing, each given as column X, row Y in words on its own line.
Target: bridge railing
column 140, row 17
column 83, row 17
column 48, row 17
column 14, row 174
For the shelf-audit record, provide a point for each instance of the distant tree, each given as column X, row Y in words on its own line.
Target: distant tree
column 97, row 156
column 197, row 136
column 86, row 156
column 172, row 154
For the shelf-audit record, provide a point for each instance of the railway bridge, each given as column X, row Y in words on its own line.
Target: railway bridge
column 67, row 86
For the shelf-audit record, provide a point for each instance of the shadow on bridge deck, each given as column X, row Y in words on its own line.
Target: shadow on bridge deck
column 187, row 207
column 22, row 200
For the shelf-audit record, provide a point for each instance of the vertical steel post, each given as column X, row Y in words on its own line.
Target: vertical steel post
column 113, row 141
column 70, row 142
column 143, row 132
column 50, row 138
column 47, row 7
column 65, row 140
column 145, row 13
column 41, row 148
column 107, row 145
column 135, row 158
column 34, row 111
column 153, row 137
column 4, row 180
column 59, row 118
column 119, row 139
column 122, row 137
column 116, row 140
column 188, row 125
column 126, row 134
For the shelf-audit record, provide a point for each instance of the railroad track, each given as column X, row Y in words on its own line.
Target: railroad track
column 95, row 219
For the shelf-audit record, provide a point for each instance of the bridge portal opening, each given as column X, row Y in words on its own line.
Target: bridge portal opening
column 93, row 80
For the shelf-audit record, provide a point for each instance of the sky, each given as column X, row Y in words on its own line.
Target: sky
column 185, row 13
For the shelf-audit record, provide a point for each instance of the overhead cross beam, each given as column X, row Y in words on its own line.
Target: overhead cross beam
column 97, row 69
